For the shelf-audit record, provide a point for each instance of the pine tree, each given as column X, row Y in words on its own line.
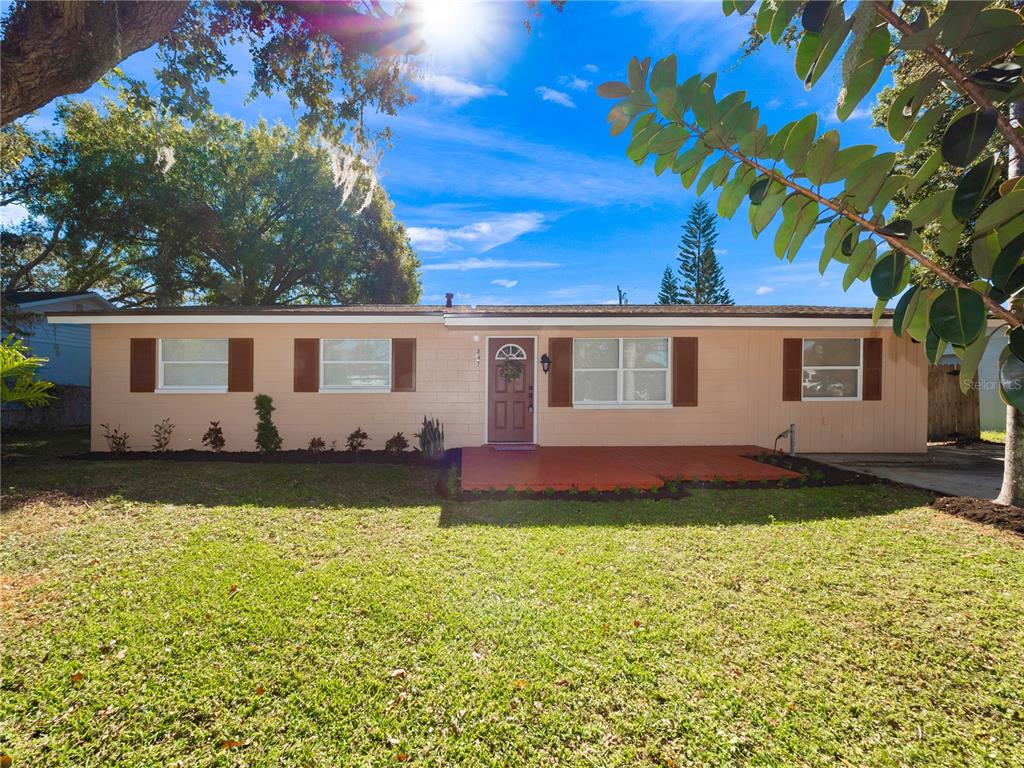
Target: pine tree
column 669, row 291
column 702, row 279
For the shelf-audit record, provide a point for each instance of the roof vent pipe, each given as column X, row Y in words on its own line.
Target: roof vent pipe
column 448, row 300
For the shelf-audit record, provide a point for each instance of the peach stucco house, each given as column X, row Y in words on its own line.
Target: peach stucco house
column 550, row 375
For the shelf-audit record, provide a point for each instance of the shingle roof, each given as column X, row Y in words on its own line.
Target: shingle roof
column 539, row 310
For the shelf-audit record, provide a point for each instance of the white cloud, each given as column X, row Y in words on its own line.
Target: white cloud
column 473, row 263
column 490, row 163
column 505, row 283
column 480, row 236
column 12, row 214
column 555, row 97
column 574, row 83
column 764, row 290
column 456, row 91
column 773, row 103
column 591, row 68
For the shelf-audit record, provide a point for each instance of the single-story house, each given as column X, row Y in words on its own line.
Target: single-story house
column 550, row 375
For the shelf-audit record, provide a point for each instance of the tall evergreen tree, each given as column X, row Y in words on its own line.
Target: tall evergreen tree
column 669, row 291
column 702, row 279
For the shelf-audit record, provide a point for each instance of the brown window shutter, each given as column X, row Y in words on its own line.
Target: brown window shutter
column 307, row 365
column 143, row 365
column 403, row 365
column 560, row 375
column 792, row 369
column 872, row 369
column 240, row 365
column 684, row 371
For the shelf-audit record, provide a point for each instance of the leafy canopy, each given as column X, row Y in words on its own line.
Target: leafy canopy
column 812, row 181
column 151, row 209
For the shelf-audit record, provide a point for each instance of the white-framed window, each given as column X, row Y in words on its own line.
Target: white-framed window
column 355, row 365
column 833, row 369
column 628, row 373
column 193, row 365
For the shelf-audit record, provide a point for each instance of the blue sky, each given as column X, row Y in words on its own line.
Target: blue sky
column 510, row 185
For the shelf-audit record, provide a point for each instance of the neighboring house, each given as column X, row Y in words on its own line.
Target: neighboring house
column 66, row 348
column 615, row 375
column 993, row 409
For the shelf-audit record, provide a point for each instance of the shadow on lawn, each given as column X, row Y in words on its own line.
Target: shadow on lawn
column 702, row 508
column 221, row 483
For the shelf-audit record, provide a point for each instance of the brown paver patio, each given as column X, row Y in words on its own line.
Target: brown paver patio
column 608, row 468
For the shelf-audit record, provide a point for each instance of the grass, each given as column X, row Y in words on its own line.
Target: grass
column 994, row 435
column 234, row 614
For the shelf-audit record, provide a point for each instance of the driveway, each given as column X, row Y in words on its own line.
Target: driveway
column 974, row 470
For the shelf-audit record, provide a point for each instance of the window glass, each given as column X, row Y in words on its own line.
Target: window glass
column 195, row 350
column 645, row 386
column 822, row 352
column 356, row 364
column 603, row 376
column 357, row 350
column 194, row 363
column 830, row 382
column 645, row 353
column 357, row 375
column 596, row 386
column 595, row 353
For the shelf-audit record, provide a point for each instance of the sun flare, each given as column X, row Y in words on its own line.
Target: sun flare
column 456, row 28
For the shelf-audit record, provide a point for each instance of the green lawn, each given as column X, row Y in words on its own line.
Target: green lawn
column 229, row 614
column 994, row 435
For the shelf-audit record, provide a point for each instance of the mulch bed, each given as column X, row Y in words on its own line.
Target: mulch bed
column 412, row 458
column 990, row 513
column 814, row 474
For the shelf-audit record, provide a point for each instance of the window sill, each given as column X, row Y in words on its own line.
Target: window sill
column 621, row 406
column 356, row 391
column 191, row 391
column 831, row 399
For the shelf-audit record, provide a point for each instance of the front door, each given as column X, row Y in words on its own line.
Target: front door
column 510, row 393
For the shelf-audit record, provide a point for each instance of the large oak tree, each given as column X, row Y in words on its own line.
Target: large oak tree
column 155, row 210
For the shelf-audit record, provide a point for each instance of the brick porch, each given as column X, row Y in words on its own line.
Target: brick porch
column 608, row 468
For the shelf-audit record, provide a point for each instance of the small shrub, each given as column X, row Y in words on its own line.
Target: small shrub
column 268, row 439
column 549, row 492
column 213, row 438
column 593, row 492
column 356, row 441
column 452, row 482
column 396, row 444
column 742, row 483
column 117, row 441
column 316, row 445
column 162, row 435
column 574, row 491
column 431, row 437
column 672, row 486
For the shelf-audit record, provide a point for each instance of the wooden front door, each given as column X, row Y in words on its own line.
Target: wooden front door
column 510, row 390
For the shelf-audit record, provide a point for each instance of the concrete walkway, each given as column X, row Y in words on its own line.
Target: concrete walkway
column 974, row 470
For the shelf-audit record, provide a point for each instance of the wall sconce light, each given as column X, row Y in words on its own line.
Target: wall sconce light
column 545, row 362
column 478, row 358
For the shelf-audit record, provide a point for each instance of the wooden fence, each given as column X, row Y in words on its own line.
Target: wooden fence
column 952, row 415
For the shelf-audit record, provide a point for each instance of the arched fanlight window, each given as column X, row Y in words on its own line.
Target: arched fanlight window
column 510, row 352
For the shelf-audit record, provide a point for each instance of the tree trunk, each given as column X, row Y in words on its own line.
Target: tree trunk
column 52, row 49
column 1012, row 491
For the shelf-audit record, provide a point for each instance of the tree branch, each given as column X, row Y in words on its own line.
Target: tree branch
column 52, row 49
column 963, row 81
column 896, row 243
